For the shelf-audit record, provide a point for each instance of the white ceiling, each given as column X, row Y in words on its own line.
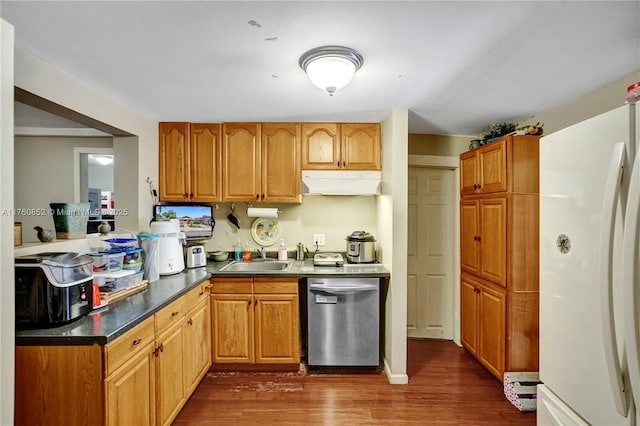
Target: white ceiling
column 457, row 66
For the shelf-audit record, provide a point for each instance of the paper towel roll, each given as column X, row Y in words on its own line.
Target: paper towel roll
column 262, row 212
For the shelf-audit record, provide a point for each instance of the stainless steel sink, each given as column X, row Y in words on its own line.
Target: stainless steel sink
column 273, row 266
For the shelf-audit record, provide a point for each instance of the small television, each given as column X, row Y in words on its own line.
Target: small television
column 196, row 220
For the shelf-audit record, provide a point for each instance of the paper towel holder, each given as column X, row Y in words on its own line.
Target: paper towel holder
column 262, row 211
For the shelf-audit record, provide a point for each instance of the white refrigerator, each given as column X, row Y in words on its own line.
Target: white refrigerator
column 589, row 286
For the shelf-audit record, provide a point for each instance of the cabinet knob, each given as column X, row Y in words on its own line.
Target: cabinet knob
column 477, row 238
column 191, row 195
column 344, row 164
column 263, row 196
column 257, row 196
column 136, row 342
column 185, row 195
column 190, row 322
column 476, row 290
column 173, row 314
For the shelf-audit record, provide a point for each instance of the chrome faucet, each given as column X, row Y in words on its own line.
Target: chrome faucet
column 262, row 253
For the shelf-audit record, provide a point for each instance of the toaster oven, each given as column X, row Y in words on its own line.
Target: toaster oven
column 52, row 289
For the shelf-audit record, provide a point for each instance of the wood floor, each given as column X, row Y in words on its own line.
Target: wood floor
column 446, row 387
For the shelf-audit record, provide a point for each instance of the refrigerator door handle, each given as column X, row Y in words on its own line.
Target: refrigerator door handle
column 631, row 281
column 607, row 231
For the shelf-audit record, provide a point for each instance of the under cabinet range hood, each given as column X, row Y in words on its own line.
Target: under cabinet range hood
column 341, row 182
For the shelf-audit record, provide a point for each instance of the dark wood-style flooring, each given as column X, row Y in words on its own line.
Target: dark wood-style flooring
column 446, row 387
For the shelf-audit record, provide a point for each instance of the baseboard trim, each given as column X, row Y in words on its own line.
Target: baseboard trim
column 394, row 379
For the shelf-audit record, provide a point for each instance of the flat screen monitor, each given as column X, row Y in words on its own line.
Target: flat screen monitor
column 196, row 220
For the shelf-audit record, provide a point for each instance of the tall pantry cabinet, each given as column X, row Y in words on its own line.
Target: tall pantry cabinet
column 499, row 225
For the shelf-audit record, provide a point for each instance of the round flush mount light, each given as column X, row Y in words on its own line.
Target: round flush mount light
column 331, row 68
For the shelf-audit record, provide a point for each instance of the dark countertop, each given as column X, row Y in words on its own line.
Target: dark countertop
column 306, row 269
column 105, row 324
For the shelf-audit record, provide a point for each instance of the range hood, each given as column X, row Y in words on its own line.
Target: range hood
column 341, row 182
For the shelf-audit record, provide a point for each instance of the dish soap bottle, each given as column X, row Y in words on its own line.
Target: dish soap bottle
column 282, row 251
column 238, row 250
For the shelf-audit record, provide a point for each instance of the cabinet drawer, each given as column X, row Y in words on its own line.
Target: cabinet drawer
column 198, row 294
column 275, row 285
column 171, row 314
column 128, row 345
column 232, row 286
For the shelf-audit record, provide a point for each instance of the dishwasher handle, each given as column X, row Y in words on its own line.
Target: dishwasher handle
column 357, row 288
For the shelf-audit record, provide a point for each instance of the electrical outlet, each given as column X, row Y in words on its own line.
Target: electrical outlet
column 318, row 239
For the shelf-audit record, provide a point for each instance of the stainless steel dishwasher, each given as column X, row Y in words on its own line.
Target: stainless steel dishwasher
column 343, row 324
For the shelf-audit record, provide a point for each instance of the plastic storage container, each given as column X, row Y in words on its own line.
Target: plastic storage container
column 113, row 281
column 107, row 261
column 122, row 243
column 132, row 255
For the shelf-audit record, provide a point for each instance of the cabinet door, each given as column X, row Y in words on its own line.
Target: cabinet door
column 241, row 162
column 491, row 329
column 232, row 328
column 469, row 236
column 197, row 345
column 493, row 240
column 174, row 161
column 360, row 145
column 493, row 167
column 130, row 391
column 469, row 173
column 281, row 162
column 277, row 329
column 469, row 315
column 206, row 152
column 170, row 395
column 320, row 146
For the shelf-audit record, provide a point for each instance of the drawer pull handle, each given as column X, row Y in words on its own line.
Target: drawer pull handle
column 173, row 314
column 137, row 342
column 201, row 292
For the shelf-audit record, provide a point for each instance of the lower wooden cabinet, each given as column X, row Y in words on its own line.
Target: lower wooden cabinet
column 255, row 321
column 483, row 319
column 197, row 344
column 143, row 377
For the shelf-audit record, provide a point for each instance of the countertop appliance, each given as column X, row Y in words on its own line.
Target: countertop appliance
column 328, row 259
column 170, row 240
column 196, row 256
column 589, row 272
column 343, row 322
column 361, row 247
column 52, row 288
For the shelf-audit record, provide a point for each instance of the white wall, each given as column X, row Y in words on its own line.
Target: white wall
column 334, row 216
column 7, row 306
column 45, row 80
column 44, row 174
column 392, row 217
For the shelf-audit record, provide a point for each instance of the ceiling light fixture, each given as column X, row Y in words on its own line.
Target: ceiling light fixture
column 331, row 67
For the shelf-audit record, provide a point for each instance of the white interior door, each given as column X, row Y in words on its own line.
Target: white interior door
column 430, row 280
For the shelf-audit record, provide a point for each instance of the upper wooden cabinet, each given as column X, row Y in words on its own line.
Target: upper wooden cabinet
column 190, row 162
column 241, row 162
column 347, row 146
column 261, row 162
column 509, row 164
column 281, row 162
